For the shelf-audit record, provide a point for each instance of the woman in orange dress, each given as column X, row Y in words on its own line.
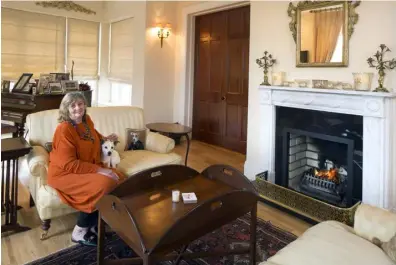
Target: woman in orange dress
column 75, row 168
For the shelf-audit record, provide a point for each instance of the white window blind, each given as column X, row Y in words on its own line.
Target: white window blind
column 82, row 48
column 31, row 43
column 121, row 51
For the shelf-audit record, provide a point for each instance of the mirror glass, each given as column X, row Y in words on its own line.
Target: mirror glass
column 322, row 35
column 321, row 30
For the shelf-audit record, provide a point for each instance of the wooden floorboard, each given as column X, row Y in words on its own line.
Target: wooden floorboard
column 26, row 246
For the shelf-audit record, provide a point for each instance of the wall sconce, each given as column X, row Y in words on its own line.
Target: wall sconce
column 163, row 32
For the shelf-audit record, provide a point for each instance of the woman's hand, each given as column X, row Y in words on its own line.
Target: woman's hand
column 109, row 173
column 112, row 137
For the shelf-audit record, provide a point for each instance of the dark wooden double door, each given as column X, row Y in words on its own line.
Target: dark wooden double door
column 221, row 77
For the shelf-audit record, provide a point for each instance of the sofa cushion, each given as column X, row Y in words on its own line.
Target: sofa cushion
column 330, row 243
column 137, row 160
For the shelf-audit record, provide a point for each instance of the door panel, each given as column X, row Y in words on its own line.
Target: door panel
column 221, row 78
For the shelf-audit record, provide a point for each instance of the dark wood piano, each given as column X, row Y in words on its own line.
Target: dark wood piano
column 16, row 106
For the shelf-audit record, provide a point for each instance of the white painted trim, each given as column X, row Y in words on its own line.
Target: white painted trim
column 186, row 51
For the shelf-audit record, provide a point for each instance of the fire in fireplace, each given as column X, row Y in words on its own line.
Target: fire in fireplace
column 329, row 184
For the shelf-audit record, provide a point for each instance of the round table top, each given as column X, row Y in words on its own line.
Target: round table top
column 169, row 128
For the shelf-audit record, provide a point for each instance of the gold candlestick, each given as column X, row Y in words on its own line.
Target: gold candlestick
column 381, row 66
column 266, row 62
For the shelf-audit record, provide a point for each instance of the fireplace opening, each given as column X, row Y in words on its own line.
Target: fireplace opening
column 320, row 155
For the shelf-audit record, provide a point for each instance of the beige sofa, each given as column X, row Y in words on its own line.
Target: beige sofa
column 41, row 126
column 334, row 243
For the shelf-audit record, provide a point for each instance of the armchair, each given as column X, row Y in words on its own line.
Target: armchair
column 42, row 125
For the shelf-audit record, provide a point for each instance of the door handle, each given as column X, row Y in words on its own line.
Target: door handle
column 223, row 98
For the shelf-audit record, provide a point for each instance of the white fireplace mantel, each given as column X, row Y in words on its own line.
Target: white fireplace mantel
column 379, row 133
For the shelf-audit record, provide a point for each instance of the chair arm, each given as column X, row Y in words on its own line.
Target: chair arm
column 37, row 159
column 371, row 221
column 159, row 143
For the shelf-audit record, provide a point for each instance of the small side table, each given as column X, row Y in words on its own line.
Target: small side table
column 11, row 150
column 172, row 128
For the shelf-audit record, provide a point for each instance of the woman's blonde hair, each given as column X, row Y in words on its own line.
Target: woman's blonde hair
column 67, row 100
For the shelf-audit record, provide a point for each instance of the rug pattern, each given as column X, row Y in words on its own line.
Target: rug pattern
column 270, row 239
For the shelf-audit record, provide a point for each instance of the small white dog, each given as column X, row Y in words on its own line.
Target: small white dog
column 110, row 157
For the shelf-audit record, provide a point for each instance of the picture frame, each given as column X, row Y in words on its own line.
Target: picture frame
column 61, row 76
column 44, row 80
column 21, row 83
column 5, row 86
column 69, row 85
column 55, row 88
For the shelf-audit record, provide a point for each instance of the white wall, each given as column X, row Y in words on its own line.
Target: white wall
column 96, row 6
column 159, row 84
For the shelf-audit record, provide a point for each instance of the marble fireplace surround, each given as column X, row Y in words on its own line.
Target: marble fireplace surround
column 379, row 133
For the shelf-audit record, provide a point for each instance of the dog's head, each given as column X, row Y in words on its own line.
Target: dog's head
column 135, row 137
column 108, row 147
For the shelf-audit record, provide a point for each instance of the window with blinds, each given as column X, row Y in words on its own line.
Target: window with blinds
column 121, row 51
column 83, row 48
column 31, row 43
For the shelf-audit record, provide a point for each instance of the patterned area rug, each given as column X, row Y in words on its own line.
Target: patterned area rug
column 270, row 239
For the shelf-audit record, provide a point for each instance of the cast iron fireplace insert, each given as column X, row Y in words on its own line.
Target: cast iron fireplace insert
column 320, row 154
column 318, row 165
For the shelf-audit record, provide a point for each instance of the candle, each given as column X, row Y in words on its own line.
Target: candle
column 175, row 195
column 362, row 81
column 277, row 78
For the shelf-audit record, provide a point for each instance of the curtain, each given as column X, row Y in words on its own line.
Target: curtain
column 328, row 25
column 121, row 51
column 31, row 43
column 83, row 48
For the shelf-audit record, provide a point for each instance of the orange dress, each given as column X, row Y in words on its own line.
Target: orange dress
column 73, row 166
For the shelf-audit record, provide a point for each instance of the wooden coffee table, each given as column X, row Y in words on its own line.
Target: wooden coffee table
column 173, row 129
column 142, row 213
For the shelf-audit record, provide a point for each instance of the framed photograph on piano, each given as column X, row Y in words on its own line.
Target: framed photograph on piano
column 55, row 88
column 69, row 85
column 44, row 80
column 19, row 86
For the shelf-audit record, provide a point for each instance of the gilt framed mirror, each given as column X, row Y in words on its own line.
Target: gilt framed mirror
column 322, row 30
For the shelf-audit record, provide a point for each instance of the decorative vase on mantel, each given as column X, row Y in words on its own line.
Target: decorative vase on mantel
column 381, row 65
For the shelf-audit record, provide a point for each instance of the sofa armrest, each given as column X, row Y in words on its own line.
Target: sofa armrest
column 371, row 221
column 37, row 159
column 159, row 143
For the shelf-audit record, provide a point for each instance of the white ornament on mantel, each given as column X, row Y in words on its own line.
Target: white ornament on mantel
column 379, row 133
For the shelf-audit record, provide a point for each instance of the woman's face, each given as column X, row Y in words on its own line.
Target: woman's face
column 77, row 110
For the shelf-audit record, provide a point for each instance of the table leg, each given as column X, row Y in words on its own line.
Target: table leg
column 188, row 147
column 253, row 224
column 2, row 187
column 11, row 198
column 7, row 194
column 178, row 259
column 101, row 236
